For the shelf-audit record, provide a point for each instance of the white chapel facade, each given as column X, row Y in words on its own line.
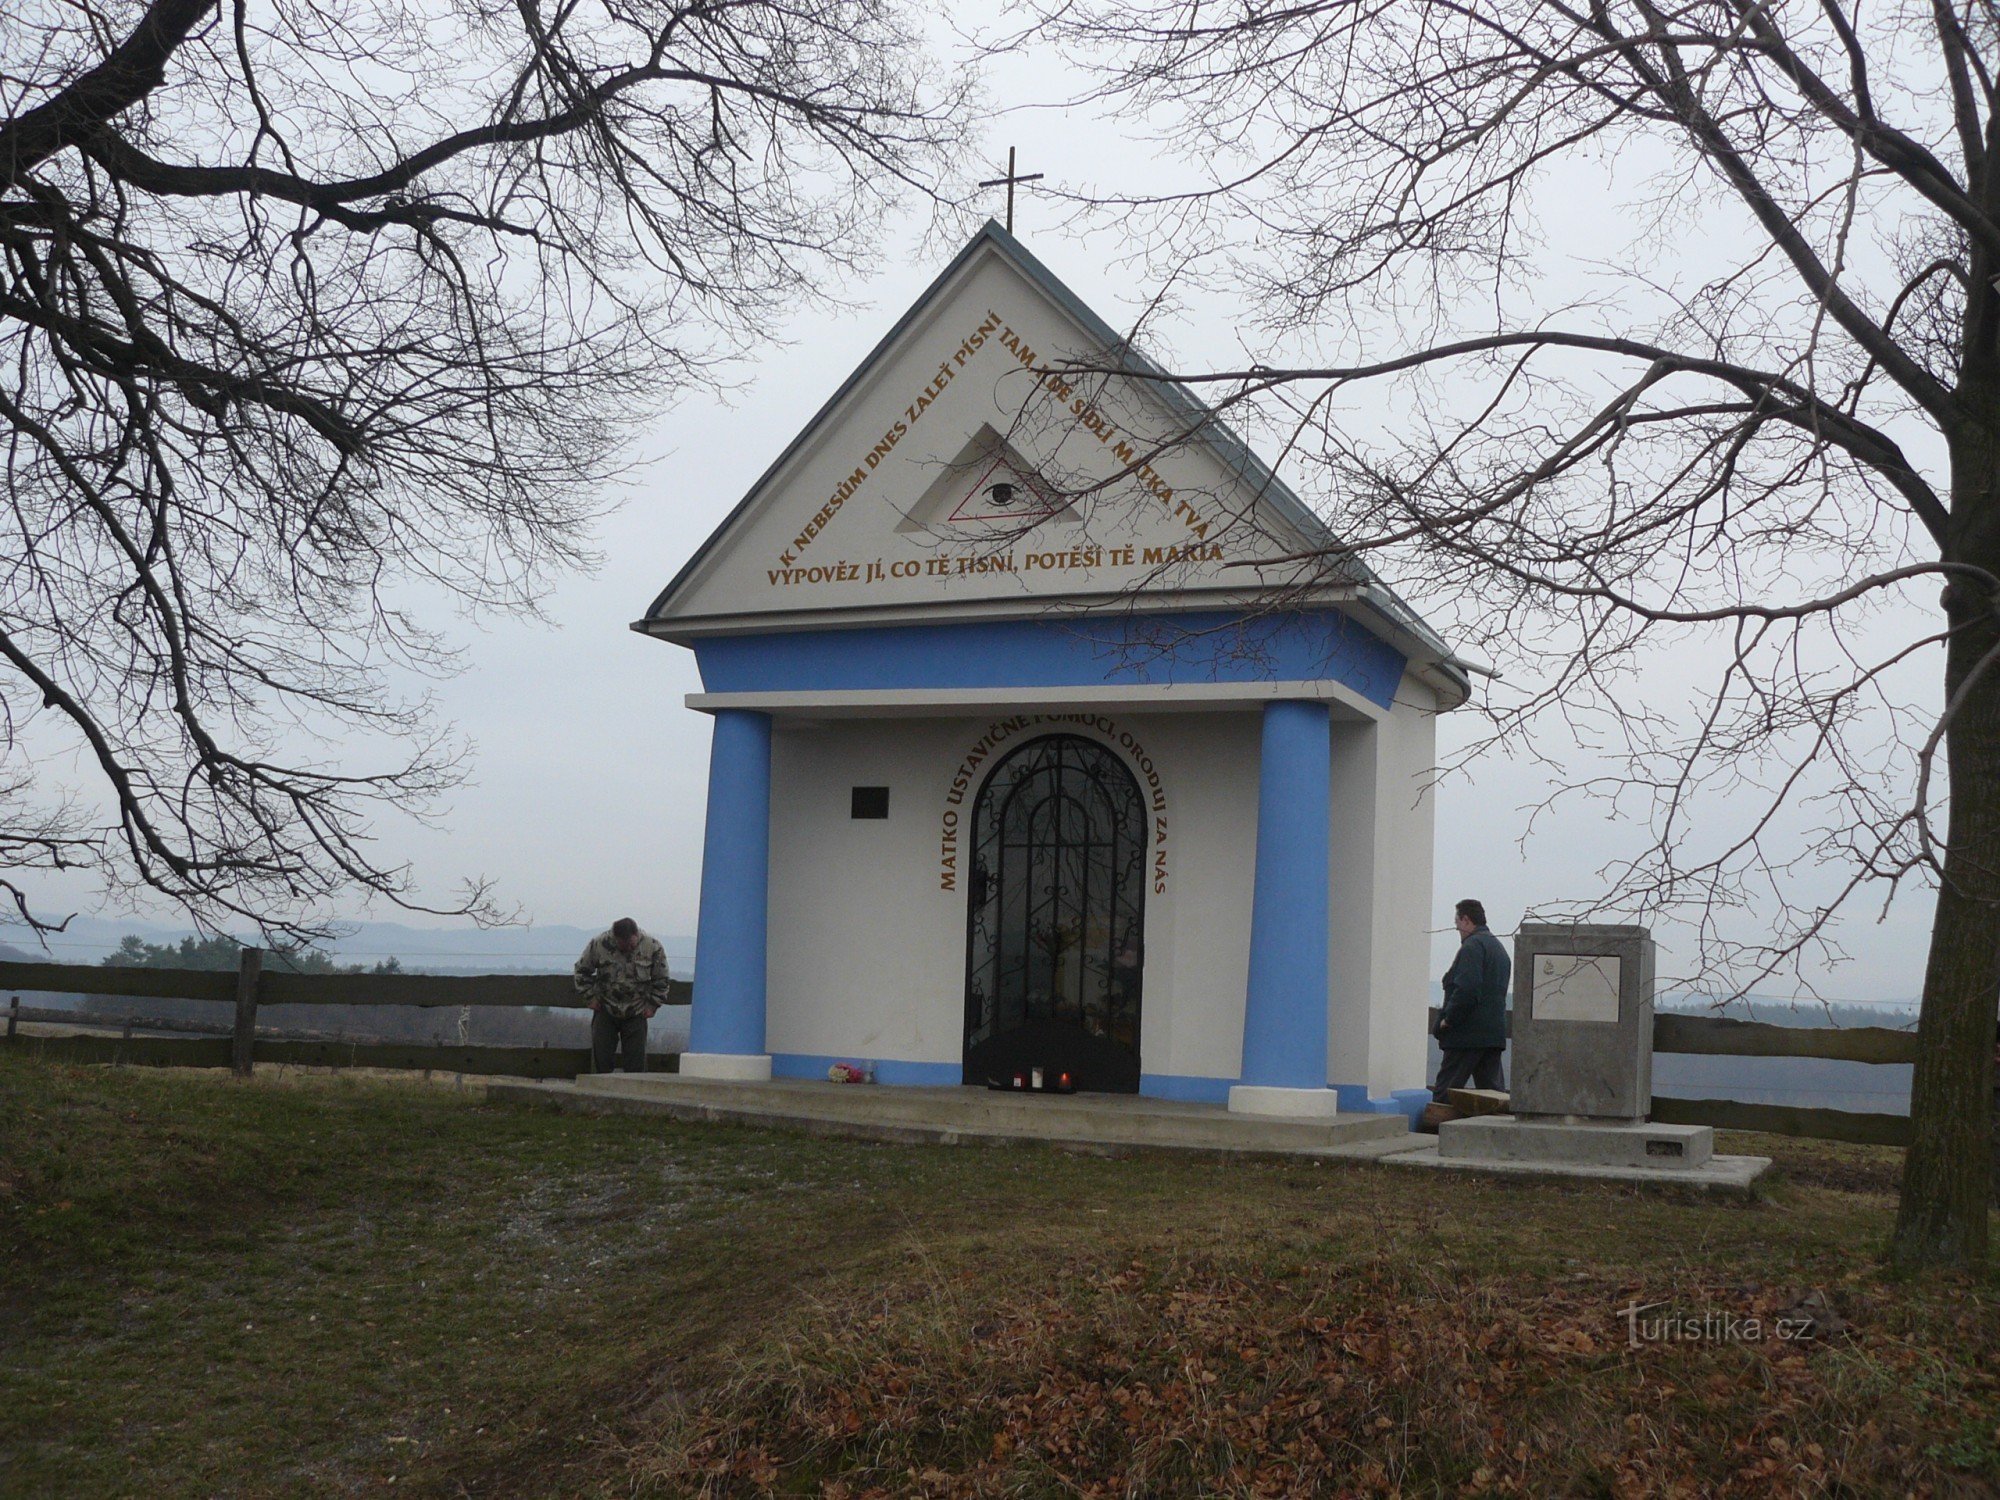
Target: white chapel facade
column 1036, row 746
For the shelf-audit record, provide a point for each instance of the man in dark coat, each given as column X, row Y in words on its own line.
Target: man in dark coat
column 1472, row 1027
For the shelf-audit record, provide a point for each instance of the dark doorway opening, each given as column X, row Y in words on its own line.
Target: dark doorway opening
column 1055, row 927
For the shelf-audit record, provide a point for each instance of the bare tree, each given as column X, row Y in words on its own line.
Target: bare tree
column 1755, row 423
column 313, row 316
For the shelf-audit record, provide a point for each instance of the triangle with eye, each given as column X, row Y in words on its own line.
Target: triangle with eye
column 1002, row 492
column 987, row 486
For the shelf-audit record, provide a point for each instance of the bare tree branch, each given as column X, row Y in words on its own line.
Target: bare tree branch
column 1726, row 449
column 317, row 321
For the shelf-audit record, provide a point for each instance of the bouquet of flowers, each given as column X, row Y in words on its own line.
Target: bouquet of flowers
column 846, row 1073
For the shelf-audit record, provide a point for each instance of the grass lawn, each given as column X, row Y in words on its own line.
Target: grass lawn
column 314, row 1285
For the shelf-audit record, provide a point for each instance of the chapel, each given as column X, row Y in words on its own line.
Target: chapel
column 1048, row 746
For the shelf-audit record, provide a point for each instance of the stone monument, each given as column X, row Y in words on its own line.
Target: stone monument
column 1583, row 1023
column 1582, row 1067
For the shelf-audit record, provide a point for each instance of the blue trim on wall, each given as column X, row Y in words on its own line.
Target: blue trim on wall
column 1355, row 1100
column 887, row 1070
column 1187, row 1087
column 891, row 1072
column 728, row 1014
column 1284, row 1011
column 1077, row 651
column 1413, row 1101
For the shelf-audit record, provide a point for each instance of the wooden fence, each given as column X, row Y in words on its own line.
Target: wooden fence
column 1715, row 1036
column 252, row 989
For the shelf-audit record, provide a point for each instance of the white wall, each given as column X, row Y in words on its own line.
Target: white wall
column 867, row 951
column 1403, row 988
column 865, row 961
column 1379, row 915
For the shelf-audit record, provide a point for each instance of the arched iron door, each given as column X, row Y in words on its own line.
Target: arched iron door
column 1055, row 931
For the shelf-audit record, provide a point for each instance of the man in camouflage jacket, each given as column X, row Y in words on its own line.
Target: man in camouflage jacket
column 623, row 973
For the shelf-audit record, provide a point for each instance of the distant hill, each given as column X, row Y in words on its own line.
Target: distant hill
column 1898, row 1015
column 459, row 950
column 437, row 950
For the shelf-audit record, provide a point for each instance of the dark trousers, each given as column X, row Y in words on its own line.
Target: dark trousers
column 611, row 1035
column 1479, row 1066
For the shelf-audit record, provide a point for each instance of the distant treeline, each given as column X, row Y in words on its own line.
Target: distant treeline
column 1807, row 1013
column 224, row 953
column 494, row 1026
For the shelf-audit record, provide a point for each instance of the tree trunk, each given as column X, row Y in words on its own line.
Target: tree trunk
column 1942, row 1218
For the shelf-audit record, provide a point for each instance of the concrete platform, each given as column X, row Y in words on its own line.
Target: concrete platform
column 952, row 1116
column 1730, row 1176
column 1638, row 1143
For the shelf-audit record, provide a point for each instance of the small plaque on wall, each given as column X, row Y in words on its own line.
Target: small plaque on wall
column 1577, row 987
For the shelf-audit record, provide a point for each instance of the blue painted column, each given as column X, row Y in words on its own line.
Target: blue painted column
column 1284, row 1019
column 726, row 1031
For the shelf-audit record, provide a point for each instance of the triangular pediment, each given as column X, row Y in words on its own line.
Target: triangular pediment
column 967, row 469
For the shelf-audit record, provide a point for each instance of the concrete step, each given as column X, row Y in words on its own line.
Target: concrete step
column 933, row 1113
column 1729, row 1176
column 966, row 1105
column 954, row 1105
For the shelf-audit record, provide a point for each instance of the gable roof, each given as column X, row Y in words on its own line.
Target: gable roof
column 1396, row 618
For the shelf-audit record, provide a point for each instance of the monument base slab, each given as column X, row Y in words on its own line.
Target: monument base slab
column 1508, row 1138
column 1728, row 1176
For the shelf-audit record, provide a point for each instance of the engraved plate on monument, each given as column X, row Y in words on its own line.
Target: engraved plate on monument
column 1583, row 1022
column 1577, row 987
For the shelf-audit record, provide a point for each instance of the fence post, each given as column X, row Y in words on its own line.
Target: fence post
column 242, row 1047
column 13, row 1017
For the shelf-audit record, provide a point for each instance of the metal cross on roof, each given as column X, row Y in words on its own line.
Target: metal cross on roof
column 1010, row 179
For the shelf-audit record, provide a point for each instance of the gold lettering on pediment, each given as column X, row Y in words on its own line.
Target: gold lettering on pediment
column 851, row 485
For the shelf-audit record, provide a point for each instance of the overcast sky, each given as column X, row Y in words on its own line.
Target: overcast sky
column 587, row 799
